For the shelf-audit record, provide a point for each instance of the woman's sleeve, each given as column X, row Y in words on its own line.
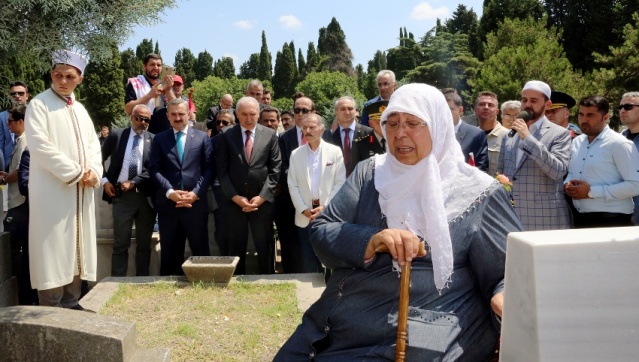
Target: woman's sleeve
column 338, row 240
column 488, row 250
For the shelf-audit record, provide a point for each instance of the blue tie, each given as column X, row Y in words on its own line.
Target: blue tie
column 135, row 156
column 180, row 146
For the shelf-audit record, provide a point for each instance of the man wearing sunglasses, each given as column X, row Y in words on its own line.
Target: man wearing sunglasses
column 19, row 93
column 128, row 187
column 629, row 114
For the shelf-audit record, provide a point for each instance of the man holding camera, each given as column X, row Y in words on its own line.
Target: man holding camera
column 128, row 187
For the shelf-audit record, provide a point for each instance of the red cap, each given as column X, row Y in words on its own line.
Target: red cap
column 177, row 79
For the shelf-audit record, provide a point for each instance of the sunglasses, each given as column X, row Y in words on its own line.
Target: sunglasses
column 13, row 94
column 142, row 119
column 225, row 123
column 627, row 106
column 301, row 110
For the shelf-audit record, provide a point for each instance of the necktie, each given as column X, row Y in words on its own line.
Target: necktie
column 69, row 101
column 303, row 138
column 180, row 146
column 347, row 151
column 135, row 156
column 248, row 146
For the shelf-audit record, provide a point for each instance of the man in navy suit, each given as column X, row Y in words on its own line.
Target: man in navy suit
column 351, row 135
column 471, row 138
column 181, row 167
column 127, row 185
column 248, row 166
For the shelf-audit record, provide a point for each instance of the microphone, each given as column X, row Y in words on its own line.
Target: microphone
column 523, row 115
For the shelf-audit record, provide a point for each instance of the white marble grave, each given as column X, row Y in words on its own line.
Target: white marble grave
column 572, row 295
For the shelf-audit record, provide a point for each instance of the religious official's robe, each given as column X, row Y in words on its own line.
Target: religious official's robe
column 62, row 231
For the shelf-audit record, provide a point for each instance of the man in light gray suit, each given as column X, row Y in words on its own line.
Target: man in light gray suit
column 536, row 160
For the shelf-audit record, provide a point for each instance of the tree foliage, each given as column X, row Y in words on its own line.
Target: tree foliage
column 312, row 58
column 265, row 68
column 185, row 66
column 496, row 11
column 447, row 62
column 130, row 65
column 465, row 21
column 332, row 46
column 249, row 69
column 209, row 91
column 145, row 47
column 403, row 58
column 285, row 73
column 102, row 90
column 324, row 88
column 590, row 26
column 522, row 50
column 203, row 65
column 224, row 68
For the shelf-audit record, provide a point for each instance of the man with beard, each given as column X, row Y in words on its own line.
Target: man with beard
column 536, row 160
column 603, row 175
column 19, row 93
column 270, row 117
column 629, row 114
column 128, row 186
column 144, row 89
column 287, row 120
column 486, row 110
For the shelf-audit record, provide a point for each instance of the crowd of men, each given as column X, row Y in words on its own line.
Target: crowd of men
column 257, row 166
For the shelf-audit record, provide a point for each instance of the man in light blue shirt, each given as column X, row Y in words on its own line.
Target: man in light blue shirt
column 603, row 174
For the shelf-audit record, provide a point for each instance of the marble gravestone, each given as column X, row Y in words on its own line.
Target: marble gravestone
column 572, row 295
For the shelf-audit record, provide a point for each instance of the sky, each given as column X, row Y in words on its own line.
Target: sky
column 234, row 28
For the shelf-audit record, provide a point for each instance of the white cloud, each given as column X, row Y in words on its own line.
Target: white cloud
column 231, row 55
column 290, row 22
column 244, row 24
column 424, row 11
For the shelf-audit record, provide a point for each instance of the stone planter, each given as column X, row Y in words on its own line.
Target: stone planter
column 210, row 269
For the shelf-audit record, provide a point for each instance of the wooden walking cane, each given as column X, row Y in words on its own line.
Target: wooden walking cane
column 402, row 314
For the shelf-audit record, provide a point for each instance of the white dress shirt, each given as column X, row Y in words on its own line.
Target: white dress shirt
column 315, row 170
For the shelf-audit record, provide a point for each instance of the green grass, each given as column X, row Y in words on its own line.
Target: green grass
column 200, row 322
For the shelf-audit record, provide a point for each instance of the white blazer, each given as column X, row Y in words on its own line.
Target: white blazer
column 333, row 175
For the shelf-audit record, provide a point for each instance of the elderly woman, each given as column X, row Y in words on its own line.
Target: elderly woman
column 420, row 189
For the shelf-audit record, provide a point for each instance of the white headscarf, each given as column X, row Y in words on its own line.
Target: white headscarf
column 417, row 197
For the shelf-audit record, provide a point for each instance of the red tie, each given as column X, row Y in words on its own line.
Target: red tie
column 248, row 146
column 347, row 151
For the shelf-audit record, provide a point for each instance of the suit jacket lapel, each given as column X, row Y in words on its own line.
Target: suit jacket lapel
column 461, row 133
column 235, row 136
column 147, row 147
column 124, row 139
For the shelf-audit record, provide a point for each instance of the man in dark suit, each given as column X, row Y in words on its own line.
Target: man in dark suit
column 471, row 139
column 181, row 167
column 127, row 185
column 248, row 165
column 351, row 135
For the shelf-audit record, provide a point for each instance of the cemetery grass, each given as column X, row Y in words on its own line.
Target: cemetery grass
column 200, row 322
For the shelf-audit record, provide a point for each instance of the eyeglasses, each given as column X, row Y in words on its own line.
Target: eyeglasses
column 301, row 110
column 627, row 106
column 13, row 94
column 394, row 125
column 142, row 119
column 225, row 123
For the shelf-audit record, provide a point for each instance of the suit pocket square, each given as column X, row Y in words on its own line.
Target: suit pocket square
column 330, row 163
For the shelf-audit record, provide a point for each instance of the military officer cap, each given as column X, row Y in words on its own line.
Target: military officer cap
column 375, row 110
column 561, row 99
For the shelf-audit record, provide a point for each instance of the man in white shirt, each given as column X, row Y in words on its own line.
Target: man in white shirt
column 315, row 175
column 603, row 175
